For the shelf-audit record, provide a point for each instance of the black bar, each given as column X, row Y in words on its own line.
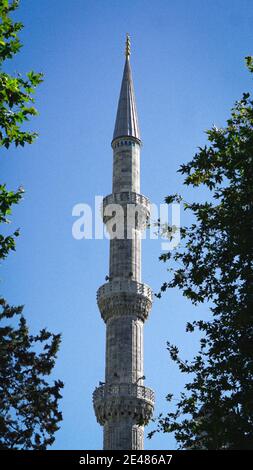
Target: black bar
column 108, row 459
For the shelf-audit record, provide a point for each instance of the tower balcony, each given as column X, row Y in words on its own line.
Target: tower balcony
column 125, row 399
column 124, row 297
column 127, row 197
column 141, row 203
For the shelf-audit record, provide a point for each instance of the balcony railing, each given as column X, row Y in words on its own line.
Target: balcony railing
column 128, row 197
column 124, row 390
column 124, row 286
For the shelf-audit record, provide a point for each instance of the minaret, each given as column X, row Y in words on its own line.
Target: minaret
column 123, row 405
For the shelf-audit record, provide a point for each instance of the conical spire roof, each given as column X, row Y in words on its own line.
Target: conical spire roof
column 127, row 120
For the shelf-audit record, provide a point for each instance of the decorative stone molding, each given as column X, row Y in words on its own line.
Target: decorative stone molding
column 119, row 400
column 124, row 297
column 119, row 142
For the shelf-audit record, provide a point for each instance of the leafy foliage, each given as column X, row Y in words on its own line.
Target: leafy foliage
column 15, row 92
column 29, row 413
column 7, row 200
column 16, row 107
column 215, row 410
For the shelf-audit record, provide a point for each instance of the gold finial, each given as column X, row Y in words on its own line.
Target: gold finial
column 128, row 44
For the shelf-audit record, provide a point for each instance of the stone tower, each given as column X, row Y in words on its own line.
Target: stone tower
column 123, row 405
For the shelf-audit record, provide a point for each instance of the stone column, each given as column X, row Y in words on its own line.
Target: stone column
column 123, row 405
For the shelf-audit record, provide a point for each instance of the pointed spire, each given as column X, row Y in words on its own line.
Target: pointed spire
column 127, row 120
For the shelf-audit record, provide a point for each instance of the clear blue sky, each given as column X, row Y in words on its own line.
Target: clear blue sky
column 187, row 62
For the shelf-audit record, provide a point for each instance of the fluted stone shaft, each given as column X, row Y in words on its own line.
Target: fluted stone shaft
column 124, row 350
column 125, row 258
column 125, row 254
column 123, row 405
column 126, row 165
column 119, row 432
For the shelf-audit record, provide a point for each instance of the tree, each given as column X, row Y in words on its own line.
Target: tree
column 29, row 413
column 214, row 264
